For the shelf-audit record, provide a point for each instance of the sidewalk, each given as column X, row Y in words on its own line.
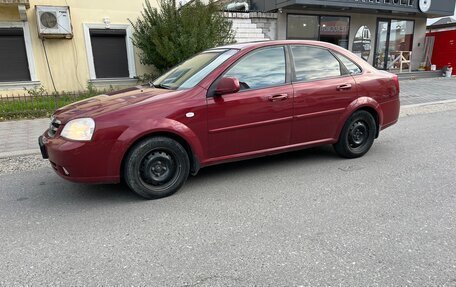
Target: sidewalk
column 21, row 137
column 427, row 90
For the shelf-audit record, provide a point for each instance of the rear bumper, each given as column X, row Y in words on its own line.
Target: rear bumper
column 390, row 110
column 79, row 161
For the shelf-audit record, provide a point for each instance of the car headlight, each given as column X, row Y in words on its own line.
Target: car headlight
column 79, row 129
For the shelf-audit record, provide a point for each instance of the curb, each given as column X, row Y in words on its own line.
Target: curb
column 429, row 104
column 427, row 108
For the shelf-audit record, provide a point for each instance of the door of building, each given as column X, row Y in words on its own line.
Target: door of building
column 393, row 37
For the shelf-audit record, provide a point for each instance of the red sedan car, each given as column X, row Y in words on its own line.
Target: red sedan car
column 224, row 104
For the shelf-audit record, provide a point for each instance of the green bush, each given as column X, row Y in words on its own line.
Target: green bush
column 167, row 36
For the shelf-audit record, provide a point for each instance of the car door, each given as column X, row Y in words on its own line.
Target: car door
column 259, row 116
column 323, row 89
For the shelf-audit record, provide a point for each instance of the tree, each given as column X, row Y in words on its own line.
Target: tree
column 167, row 36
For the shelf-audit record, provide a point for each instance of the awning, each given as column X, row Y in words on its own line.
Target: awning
column 438, row 8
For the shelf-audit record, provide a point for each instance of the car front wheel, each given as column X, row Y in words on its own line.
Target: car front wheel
column 357, row 135
column 156, row 167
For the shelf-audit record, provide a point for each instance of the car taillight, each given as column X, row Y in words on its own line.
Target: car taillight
column 396, row 83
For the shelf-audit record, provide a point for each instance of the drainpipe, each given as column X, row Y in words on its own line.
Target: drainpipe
column 238, row 6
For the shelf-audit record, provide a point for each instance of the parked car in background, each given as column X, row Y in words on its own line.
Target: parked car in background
column 224, row 104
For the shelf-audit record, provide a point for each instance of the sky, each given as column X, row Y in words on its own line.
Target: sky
column 430, row 21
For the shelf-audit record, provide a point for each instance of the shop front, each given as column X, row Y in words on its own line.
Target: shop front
column 389, row 34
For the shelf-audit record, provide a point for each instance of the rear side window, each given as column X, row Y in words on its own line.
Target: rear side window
column 313, row 63
column 260, row 69
column 352, row 68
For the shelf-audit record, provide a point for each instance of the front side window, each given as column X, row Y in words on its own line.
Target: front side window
column 260, row 69
column 13, row 55
column 313, row 63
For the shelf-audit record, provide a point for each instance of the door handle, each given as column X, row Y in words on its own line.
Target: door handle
column 279, row 97
column 344, row 87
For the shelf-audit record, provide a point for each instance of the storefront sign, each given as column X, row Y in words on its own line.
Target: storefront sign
column 334, row 29
column 425, row 5
column 392, row 2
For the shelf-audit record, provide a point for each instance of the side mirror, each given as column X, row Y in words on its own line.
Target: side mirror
column 227, row 86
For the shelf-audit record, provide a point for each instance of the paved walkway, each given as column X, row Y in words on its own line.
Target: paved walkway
column 427, row 90
column 21, row 137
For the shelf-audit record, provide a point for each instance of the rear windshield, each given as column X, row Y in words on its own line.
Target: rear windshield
column 192, row 71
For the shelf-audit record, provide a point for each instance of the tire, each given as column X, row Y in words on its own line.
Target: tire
column 357, row 135
column 156, row 167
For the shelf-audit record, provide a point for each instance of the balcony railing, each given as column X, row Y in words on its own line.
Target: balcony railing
column 15, row 2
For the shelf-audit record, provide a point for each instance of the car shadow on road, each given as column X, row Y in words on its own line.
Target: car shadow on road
column 59, row 191
column 283, row 160
column 64, row 192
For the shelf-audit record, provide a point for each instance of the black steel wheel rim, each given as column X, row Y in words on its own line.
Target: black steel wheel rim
column 159, row 169
column 358, row 134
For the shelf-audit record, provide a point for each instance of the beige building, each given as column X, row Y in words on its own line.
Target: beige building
column 68, row 44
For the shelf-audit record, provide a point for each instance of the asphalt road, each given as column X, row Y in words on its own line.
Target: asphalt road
column 299, row 219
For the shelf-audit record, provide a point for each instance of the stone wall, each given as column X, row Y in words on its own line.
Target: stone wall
column 266, row 22
column 253, row 26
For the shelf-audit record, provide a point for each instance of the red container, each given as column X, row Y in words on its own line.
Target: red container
column 444, row 53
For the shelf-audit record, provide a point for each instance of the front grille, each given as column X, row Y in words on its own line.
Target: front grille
column 54, row 126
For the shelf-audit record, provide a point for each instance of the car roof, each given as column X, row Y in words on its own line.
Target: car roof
column 256, row 44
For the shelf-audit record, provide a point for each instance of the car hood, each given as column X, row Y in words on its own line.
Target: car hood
column 98, row 105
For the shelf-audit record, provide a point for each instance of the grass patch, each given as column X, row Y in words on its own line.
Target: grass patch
column 38, row 105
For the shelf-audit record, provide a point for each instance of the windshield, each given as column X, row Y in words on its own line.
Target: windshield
column 192, row 71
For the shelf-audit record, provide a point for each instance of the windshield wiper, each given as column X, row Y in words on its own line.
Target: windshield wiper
column 160, row 86
column 163, row 86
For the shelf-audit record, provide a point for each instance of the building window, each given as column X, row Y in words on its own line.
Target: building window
column 393, row 37
column 335, row 30
column 302, row 27
column 110, row 52
column 13, row 56
column 332, row 29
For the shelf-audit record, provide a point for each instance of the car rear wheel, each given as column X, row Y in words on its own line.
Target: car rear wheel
column 357, row 135
column 156, row 167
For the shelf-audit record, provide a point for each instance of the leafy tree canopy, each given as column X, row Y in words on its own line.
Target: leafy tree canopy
column 167, row 36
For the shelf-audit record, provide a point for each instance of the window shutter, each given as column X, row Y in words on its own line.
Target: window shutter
column 13, row 55
column 109, row 50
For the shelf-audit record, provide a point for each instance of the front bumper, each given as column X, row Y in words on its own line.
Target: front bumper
column 43, row 150
column 88, row 162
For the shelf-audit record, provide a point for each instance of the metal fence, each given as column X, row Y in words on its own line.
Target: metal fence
column 36, row 105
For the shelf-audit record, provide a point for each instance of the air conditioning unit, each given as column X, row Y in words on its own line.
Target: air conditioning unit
column 54, row 22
